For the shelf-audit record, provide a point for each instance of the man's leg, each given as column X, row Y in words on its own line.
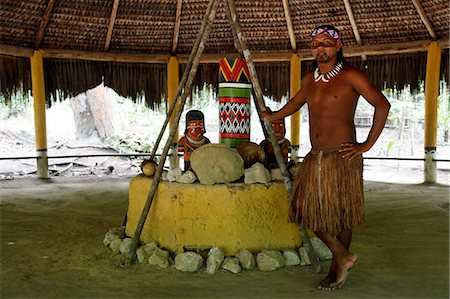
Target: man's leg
column 346, row 238
column 343, row 260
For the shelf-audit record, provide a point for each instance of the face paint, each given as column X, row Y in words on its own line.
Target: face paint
column 196, row 129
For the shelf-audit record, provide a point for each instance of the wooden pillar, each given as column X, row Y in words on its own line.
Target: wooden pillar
column 173, row 79
column 38, row 88
column 295, row 68
column 431, row 108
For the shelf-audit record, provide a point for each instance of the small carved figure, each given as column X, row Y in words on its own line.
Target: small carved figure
column 193, row 136
column 285, row 145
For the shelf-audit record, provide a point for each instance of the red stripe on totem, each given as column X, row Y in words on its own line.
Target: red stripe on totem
column 233, row 135
column 234, row 100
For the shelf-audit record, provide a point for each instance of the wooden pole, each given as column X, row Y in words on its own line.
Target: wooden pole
column 431, row 107
column 38, row 88
column 173, row 78
column 295, row 83
column 184, row 78
column 260, row 101
column 186, row 92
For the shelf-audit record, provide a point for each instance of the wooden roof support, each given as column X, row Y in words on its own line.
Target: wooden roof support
column 425, row 19
column 287, row 13
column 177, row 26
column 44, row 22
column 112, row 19
column 263, row 56
column 348, row 8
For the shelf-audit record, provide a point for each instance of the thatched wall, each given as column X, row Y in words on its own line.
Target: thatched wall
column 65, row 78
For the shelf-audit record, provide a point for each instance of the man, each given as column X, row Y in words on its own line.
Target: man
column 328, row 191
column 193, row 136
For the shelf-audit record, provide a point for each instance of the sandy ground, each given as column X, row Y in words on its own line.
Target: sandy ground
column 52, row 232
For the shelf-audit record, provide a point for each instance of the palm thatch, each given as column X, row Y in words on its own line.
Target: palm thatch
column 73, row 29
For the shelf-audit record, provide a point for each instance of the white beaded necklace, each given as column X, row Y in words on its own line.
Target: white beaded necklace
column 326, row 77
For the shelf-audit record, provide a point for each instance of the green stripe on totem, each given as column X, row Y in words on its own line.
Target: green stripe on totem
column 232, row 142
column 235, row 92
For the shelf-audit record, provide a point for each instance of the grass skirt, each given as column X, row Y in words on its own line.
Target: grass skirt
column 328, row 193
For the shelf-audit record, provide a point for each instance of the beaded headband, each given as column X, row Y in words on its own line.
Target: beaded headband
column 330, row 30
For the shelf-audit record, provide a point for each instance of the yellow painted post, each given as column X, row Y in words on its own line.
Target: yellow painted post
column 38, row 88
column 173, row 79
column 431, row 108
column 295, row 118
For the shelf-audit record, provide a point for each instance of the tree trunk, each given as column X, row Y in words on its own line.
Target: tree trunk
column 84, row 121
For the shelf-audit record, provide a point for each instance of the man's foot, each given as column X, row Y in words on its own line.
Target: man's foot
column 341, row 274
column 325, row 283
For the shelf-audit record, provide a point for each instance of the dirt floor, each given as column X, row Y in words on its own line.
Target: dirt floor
column 52, row 232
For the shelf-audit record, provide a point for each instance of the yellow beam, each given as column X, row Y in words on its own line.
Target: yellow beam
column 295, row 80
column 173, row 79
column 38, row 89
column 431, row 108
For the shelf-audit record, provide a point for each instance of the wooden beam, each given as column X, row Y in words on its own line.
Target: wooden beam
column 102, row 56
column 112, row 19
column 177, row 26
column 262, row 56
column 287, row 13
column 44, row 22
column 425, row 19
column 348, row 8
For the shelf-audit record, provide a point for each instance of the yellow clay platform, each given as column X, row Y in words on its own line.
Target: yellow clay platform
column 232, row 216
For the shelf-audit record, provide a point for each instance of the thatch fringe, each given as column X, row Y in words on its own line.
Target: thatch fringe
column 134, row 80
column 68, row 78
column 15, row 76
column 138, row 80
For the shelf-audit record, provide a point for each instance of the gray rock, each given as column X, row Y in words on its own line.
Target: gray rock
column 215, row 259
column 232, row 264
column 291, row 257
column 159, row 258
column 188, row 177
column 174, row 174
column 217, row 163
column 246, row 259
column 304, row 257
column 276, row 175
column 269, row 260
column 257, row 174
column 125, row 247
column 115, row 245
column 322, row 251
column 188, row 261
column 114, row 234
column 145, row 251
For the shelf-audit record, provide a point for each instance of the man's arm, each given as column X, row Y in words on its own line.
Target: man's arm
column 291, row 106
column 364, row 87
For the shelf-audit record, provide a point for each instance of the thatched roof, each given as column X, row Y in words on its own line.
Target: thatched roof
column 101, row 32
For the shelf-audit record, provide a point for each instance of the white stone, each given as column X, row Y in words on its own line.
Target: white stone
column 164, row 175
column 174, row 174
column 188, row 261
column 269, row 260
column 215, row 259
column 114, row 234
column 304, row 257
column 276, row 175
column 232, row 264
column 188, row 177
column 291, row 257
column 257, row 174
column 322, row 251
column 159, row 258
column 246, row 259
column 217, row 163
column 145, row 251
column 125, row 247
column 115, row 245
